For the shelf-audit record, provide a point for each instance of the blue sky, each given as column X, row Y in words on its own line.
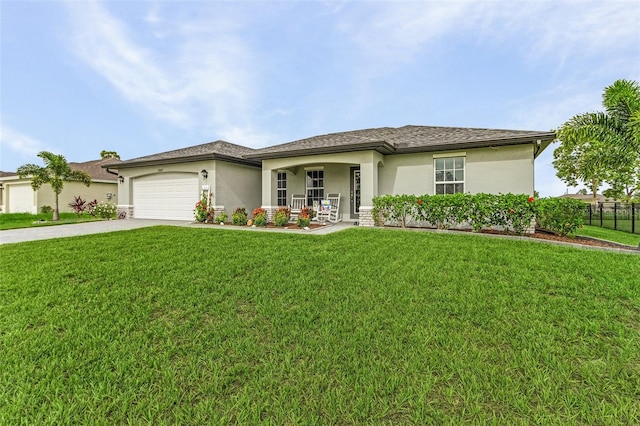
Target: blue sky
column 140, row 77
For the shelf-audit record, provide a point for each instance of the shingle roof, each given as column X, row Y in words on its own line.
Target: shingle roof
column 95, row 170
column 218, row 149
column 403, row 140
column 387, row 140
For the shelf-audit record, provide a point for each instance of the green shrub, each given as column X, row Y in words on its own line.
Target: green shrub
column 46, row 209
column 561, row 215
column 395, row 208
column 260, row 217
column 204, row 211
column 283, row 214
column 305, row 216
column 222, row 217
column 480, row 211
column 105, row 210
column 239, row 216
column 518, row 211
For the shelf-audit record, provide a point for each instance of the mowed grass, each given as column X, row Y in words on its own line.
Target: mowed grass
column 610, row 235
column 28, row 220
column 172, row 325
column 624, row 225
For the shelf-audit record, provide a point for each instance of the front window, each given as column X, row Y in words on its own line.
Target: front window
column 282, row 188
column 315, row 186
column 449, row 175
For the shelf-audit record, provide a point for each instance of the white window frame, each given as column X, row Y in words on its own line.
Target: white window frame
column 281, row 188
column 319, row 189
column 453, row 170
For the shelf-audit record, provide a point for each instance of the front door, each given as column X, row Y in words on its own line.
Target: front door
column 355, row 193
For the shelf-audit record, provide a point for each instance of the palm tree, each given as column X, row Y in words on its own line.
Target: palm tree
column 603, row 142
column 55, row 172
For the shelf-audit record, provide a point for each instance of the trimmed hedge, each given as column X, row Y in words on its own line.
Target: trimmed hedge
column 479, row 211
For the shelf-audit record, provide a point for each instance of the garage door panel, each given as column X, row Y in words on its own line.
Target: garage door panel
column 21, row 199
column 166, row 196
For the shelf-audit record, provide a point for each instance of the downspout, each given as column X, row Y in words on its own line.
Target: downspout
column 109, row 171
column 535, row 154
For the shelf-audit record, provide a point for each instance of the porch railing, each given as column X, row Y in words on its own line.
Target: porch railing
column 619, row 216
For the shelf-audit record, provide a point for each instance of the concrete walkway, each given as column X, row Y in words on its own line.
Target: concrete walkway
column 60, row 231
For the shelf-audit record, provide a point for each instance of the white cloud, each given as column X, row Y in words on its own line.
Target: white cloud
column 194, row 75
column 247, row 137
column 539, row 30
column 19, row 144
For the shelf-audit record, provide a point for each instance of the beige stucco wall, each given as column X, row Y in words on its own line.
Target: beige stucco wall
column 233, row 185
column 236, row 185
column 97, row 191
column 491, row 170
column 46, row 197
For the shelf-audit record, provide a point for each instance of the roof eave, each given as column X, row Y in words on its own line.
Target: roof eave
column 176, row 160
column 543, row 137
column 382, row 147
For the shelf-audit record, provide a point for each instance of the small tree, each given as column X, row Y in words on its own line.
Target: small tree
column 56, row 172
column 109, row 154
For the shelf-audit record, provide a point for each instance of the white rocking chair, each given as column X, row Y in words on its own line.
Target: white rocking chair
column 334, row 211
column 297, row 203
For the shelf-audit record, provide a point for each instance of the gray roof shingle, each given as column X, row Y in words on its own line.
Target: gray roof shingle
column 95, row 170
column 218, row 149
column 403, row 140
column 387, row 140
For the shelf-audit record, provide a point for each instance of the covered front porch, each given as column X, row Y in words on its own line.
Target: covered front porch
column 353, row 175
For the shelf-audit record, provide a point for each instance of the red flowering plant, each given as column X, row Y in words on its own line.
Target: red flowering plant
column 305, row 216
column 520, row 212
column 283, row 214
column 259, row 217
column 204, row 211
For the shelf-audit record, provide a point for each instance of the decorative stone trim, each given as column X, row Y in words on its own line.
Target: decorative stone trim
column 125, row 212
column 271, row 212
column 366, row 216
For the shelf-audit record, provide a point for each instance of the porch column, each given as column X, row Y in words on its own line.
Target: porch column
column 368, row 189
column 269, row 179
column 125, row 199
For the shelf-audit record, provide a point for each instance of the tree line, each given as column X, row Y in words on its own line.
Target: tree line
column 598, row 148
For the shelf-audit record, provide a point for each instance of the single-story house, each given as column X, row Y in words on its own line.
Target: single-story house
column 168, row 185
column 358, row 165
column 588, row 198
column 17, row 195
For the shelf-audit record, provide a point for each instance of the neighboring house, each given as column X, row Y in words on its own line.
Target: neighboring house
column 168, row 185
column 588, row 198
column 359, row 165
column 17, row 195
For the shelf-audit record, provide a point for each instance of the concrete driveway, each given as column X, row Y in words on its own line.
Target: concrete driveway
column 86, row 228
column 60, row 231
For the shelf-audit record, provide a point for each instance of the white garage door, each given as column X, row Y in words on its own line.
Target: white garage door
column 169, row 196
column 21, row 199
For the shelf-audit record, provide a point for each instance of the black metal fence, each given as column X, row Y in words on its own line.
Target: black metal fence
column 620, row 216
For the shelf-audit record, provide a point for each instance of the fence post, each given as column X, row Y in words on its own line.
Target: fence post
column 600, row 208
column 590, row 213
column 633, row 218
column 615, row 216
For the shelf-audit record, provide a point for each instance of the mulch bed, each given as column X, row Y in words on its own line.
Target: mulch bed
column 543, row 234
column 271, row 225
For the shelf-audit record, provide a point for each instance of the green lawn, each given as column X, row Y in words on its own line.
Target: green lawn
column 624, row 225
column 610, row 235
column 28, row 220
column 171, row 325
